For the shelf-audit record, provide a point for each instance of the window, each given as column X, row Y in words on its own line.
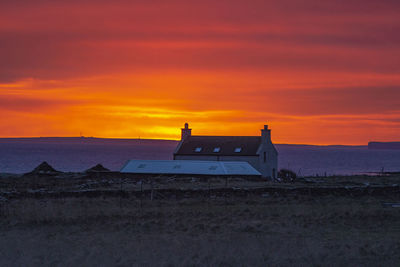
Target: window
column 197, row 149
column 238, row 150
column 265, row 157
column 217, row 149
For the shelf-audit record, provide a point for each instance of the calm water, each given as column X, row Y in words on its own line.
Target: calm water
column 79, row 154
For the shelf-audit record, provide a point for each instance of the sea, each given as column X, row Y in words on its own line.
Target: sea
column 76, row 154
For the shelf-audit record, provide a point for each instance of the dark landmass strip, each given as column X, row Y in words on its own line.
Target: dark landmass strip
column 384, row 145
column 135, row 141
column 85, row 140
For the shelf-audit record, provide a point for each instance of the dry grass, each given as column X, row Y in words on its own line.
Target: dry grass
column 198, row 229
column 255, row 231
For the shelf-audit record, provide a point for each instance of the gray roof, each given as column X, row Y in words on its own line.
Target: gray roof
column 227, row 145
column 199, row 167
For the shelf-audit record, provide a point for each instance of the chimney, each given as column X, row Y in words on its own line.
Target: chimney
column 186, row 132
column 266, row 134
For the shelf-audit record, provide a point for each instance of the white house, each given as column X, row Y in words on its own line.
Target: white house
column 258, row 151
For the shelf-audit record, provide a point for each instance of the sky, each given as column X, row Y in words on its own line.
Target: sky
column 317, row 72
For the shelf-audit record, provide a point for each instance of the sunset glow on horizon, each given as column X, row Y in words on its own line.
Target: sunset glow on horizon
column 317, row 72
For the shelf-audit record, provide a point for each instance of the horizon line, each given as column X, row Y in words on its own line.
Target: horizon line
column 165, row 139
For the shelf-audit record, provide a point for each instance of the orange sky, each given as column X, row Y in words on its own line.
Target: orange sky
column 316, row 72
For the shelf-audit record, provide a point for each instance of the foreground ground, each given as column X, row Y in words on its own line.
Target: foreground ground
column 217, row 228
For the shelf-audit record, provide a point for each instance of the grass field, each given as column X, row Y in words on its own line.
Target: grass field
column 209, row 230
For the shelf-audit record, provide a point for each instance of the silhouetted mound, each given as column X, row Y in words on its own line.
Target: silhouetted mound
column 44, row 168
column 98, row 168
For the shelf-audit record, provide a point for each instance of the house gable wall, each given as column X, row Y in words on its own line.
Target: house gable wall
column 269, row 167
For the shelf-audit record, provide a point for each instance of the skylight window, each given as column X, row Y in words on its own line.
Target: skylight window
column 217, row 149
column 197, row 149
column 141, row 166
column 238, row 150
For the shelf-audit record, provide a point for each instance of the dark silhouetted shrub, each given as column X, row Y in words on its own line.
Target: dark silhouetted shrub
column 286, row 175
